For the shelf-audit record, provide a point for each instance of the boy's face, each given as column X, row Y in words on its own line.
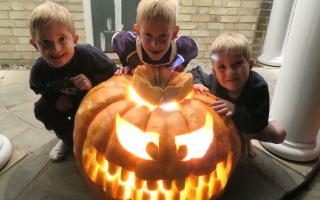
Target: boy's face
column 55, row 43
column 156, row 37
column 231, row 70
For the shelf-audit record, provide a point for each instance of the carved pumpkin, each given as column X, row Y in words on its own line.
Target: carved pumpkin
column 151, row 137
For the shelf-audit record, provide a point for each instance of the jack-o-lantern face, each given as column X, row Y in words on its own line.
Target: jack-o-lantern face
column 150, row 137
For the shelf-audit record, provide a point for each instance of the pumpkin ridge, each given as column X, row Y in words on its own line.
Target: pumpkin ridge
column 112, row 118
column 135, row 107
column 90, row 117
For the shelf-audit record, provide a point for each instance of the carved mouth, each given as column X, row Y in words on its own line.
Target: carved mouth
column 121, row 183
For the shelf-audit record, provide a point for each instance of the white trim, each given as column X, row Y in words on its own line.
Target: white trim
column 118, row 15
column 127, row 59
column 113, row 38
column 139, row 49
column 87, row 14
column 132, row 34
column 182, row 58
column 174, row 51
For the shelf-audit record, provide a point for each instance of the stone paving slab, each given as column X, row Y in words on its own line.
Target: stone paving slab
column 39, row 178
column 16, row 156
column 17, row 121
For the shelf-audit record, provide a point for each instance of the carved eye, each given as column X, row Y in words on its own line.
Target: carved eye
column 197, row 142
column 133, row 139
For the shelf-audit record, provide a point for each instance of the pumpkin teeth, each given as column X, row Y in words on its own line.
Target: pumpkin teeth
column 138, row 183
column 123, row 184
column 152, row 185
column 125, row 175
column 180, row 184
column 166, row 184
column 113, row 169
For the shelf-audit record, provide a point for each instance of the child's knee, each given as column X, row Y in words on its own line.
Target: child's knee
column 281, row 134
column 277, row 132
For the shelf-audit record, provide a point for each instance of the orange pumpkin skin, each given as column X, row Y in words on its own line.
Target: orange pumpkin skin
column 97, row 143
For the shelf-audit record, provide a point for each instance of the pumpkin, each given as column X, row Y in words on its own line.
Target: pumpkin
column 149, row 136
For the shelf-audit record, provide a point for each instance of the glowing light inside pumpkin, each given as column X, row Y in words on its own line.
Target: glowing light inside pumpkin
column 198, row 141
column 134, row 96
column 120, row 183
column 133, row 139
column 139, row 100
column 170, row 106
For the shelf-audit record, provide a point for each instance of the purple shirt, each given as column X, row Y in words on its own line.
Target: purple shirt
column 131, row 53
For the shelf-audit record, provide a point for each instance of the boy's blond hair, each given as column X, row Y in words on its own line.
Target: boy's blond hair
column 231, row 41
column 157, row 10
column 49, row 13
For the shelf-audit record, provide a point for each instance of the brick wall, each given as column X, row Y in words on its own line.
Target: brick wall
column 201, row 19
column 204, row 20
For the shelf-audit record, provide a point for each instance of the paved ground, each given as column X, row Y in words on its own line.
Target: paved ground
column 31, row 175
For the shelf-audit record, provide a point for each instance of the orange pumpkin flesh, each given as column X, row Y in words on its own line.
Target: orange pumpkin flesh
column 169, row 167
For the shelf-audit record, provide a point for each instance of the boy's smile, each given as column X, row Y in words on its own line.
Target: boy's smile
column 156, row 37
column 56, row 43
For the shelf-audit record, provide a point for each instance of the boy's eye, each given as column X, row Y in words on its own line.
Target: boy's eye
column 147, row 36
column 160, row 39
column 221, row 67
column 45, row 43
column 62, row 39
column 163, row 38
column 237, row 64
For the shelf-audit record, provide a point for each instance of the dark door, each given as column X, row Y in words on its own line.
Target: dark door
column 109, row 17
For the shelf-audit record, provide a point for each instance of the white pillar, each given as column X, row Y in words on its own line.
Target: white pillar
column 276, row 33
column 296, row 102
column 5, row 150
column 88, row 21
column 118, row 15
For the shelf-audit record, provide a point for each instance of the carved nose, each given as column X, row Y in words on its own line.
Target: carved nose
column 153, row 150
column 182, row 152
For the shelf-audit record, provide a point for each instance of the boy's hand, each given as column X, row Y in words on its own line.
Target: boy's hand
column 200, row 88
column 63, row 103
column 82, row 82
column 124, row 70
column 224, row 107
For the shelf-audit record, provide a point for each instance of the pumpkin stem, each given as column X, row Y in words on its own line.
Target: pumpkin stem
column 159, row 85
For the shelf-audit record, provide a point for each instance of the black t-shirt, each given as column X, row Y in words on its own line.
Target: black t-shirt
column 53, row 82
column 251, row 107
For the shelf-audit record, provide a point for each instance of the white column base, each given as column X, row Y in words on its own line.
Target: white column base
column 5, row 150
column 270, row 60
column 295, row 151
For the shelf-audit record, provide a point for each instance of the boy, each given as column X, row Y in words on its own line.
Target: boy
column 64, row 72
column 155, row 39
column 242, row 94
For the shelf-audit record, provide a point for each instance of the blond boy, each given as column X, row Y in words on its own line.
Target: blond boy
column 155, row 39
column 243, row 94
column 63, row 73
